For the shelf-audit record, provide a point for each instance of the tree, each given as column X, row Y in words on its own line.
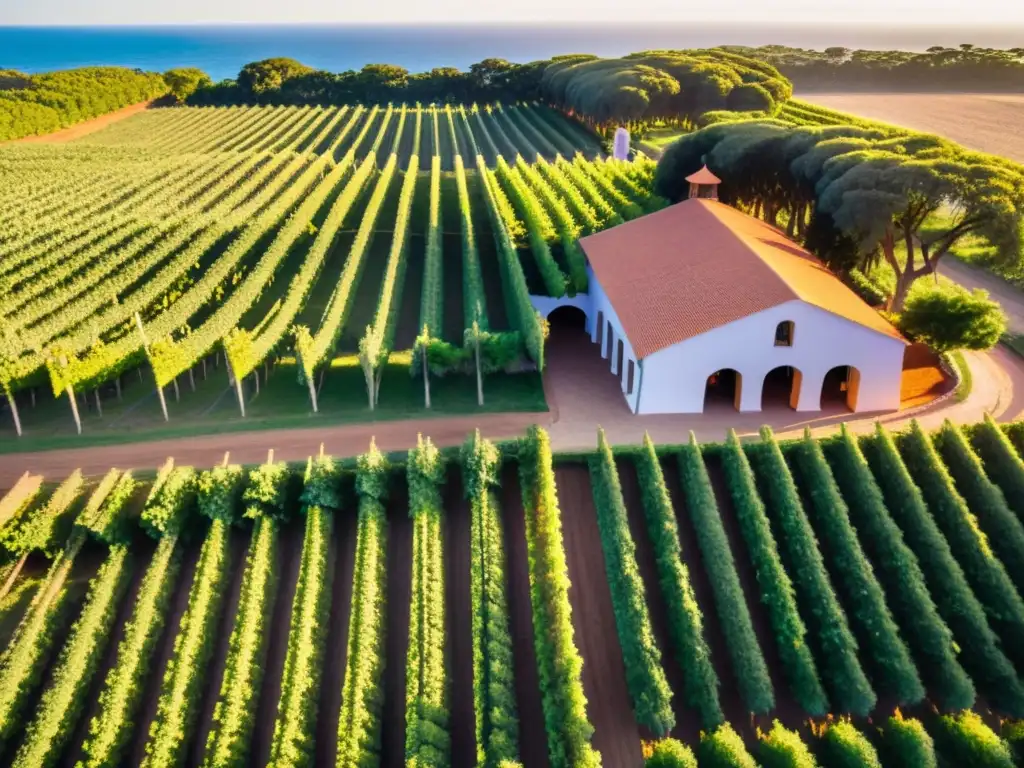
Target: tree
column 260, row 77
column 951, row 318
column 185, row 81
column 928, row 203
column 750, row 97
column 382, row 82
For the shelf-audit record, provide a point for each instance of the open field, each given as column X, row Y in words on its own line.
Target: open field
column 989, row 122
column 297, row 251
column 289, row 614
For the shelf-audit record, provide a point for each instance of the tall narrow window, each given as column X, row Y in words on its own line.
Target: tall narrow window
column 784, row 334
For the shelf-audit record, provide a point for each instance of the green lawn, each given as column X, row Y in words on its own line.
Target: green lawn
column 282, row 403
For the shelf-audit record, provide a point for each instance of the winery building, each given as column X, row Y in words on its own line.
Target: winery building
column 700, row 302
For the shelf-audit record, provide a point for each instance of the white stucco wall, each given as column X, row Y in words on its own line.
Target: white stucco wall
column 602, row 310
column 674, row 379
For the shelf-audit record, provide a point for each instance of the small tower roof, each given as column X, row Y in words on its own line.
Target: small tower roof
column 703, row 176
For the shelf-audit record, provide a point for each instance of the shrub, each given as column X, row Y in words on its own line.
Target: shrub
column 645, row 677
column 723, row 748
column 896, row 566
column 699, row 502
column 1013, row 734
column 951, row 318
column 984, row 499
column 986, row 574
column 889, row 659
column 850, row 689
column 904, row 743
column 670, row 753
column 685, row 620
column 1003, row 464
column 782, row 748
column 843, row 746
column 558, row 660
column 966, row 742
column 776, row 589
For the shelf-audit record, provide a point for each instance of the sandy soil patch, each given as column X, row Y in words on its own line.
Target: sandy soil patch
column 989, row 122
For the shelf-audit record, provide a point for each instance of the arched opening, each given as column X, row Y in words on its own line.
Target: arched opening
column 781, row 387
column 840, row 387
column 568, row 317
column 723, row 389
column 784, row 334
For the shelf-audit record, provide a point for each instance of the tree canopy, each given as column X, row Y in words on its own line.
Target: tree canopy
column 947, row 319
column 186, row 81
column 905, row 197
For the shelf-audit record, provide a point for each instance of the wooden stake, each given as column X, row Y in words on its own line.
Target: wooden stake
column 32, row 393
column 313, row 391
column 99, row 405
column 204, row 369
column 74, row 409
column 191, row 380
column 177, row 392
column 227, row 455
column 426, row 377
column 14, row 413
column 159, row 389
column 117, row 386
column 238, row 387
column 6, row 588
column 320, row 384
column 139, row 371
column 256, row 375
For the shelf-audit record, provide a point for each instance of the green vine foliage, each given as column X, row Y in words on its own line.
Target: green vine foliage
column 686, row 624
column 777, row 590
column 106, row 516
column 670, row 753
column 901, row 574
column 645, row 677
column 723, row 748
column 966, row 740
column 904, row 743
column 843, row 746
column 991, row 671
column 219, row 492
column 269, row 491
column 1002, row 462
column 322, row 484
column 783, row 748
column 170, row 502
column 47, row 529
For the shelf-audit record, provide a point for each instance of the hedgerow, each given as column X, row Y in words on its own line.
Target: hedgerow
column 957, row 604
column 748, row 664
column 558, row 661
column 1002, row 462
column 904, row 743
column 723, row 748
column 669, row 753
column 183, row 681
column 427, row 736
column 700, row 688
column 61, row 706
column 889, row 659
column 494, row 696
column 783, row 748
column 896, row 566
column 984, row 499
column 965, row 740
column 234, row 715
column 837, row 658
column 843, row 746
column 645, row 677
column 112, row 725
column 359, row 724
column 776, row 588
column 987, row 576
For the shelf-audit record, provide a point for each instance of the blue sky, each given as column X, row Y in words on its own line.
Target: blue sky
column 973, row 12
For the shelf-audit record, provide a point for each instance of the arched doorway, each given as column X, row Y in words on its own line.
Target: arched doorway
column 568, row 317
column 723, row 389
column 781, row 387
column 840, row 387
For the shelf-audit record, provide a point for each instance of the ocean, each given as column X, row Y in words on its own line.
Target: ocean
column 222, row 50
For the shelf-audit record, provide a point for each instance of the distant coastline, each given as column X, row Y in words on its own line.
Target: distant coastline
column 222, row 50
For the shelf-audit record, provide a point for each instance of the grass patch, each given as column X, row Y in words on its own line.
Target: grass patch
column 966, row 383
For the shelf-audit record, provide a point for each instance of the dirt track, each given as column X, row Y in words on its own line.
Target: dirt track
column 84, row 128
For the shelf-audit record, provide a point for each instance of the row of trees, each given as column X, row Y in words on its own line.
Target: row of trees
column 939, row 68
column 640, row 87
column 35, row 104
column 858, row 195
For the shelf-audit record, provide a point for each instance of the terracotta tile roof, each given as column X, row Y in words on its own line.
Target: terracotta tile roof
column 703, row 176
column 700, row 264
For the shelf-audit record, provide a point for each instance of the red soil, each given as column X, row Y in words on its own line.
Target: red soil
column 399, row 586
column 142, row 553
column 86, row 127
column 533, row 740
column 616, row 735
column 459, row 620
column 688, row 723
column 213, row 675
column 136, row 749
column 923, row 377
column 342, row 561
column 289, row 558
